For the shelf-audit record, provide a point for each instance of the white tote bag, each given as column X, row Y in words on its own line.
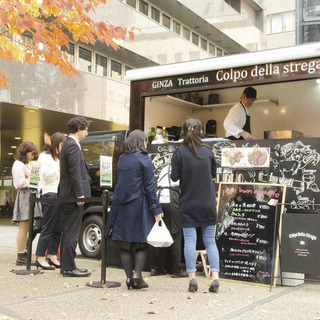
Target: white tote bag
column 159, row 235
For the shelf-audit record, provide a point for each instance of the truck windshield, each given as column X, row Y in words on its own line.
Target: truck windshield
column 94, row 146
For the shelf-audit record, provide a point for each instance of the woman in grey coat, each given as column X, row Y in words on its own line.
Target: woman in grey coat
column 135, row 207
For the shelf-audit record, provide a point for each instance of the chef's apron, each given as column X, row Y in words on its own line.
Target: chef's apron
column 246, row 126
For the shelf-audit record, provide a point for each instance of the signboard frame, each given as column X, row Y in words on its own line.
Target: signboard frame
column 246, row 255
column 300, row 235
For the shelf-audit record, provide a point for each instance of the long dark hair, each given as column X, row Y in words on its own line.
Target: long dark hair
column 53, row 148
column 135, row 142
column 191, row 133
column 23, row 149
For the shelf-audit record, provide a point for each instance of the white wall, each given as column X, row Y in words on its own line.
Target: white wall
column 166, row 115
column 298, row 109
column 235, row 25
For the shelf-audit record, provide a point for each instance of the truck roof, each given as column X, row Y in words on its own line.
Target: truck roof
column 230, row 61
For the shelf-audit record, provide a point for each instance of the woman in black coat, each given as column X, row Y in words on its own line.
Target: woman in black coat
column 194, row 164
column 135, row 206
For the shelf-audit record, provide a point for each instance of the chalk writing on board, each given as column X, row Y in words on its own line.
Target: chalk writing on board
column 245, row 230
column 293, row 162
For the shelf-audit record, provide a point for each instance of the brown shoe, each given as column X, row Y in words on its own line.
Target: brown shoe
column 22, row 260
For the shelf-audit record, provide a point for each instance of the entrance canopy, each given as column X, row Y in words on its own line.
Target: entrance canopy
column 21, row 123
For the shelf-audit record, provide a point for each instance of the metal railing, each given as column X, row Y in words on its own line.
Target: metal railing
column 104, row 199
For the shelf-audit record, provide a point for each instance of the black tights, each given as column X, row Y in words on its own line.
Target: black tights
column 140, row 256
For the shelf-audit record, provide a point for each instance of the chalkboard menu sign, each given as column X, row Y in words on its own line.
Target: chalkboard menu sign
column 247, row 230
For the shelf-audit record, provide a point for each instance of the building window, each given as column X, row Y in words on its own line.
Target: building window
column 176, row 27
column 212, row 49
column 132, row 3
column 155, row 14
column 70, row 51
column 143, row 7
column 219, row 52
column 6, row 34
column 126, row 68
column 275, row 24
column 27, row 37
column 85, row 63
column 195, row 38
column 204, row 44
column 101, row 65
column 281, row 22
column 116, row 70
column 166, row 21
column 235, row 4
column 289, row 19
column 186, row 33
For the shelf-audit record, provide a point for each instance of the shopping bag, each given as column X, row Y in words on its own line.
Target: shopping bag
column 159, row 235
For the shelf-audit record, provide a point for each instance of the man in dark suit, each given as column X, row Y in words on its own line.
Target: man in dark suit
column 74, row 183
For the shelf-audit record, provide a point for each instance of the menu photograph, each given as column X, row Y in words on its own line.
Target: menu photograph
column 245, row 157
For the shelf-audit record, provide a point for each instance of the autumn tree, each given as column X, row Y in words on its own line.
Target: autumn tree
column 50, row 23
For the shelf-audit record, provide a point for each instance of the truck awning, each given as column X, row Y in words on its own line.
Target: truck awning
column 230, row 61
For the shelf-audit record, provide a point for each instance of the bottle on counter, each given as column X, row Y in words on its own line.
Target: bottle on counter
column 165, row 135
column 151, row 135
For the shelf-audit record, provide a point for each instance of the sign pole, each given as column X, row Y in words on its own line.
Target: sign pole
column 29, row 245
column 103, row 283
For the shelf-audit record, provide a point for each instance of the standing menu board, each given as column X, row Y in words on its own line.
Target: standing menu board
column 247, row 230
column 300, row 243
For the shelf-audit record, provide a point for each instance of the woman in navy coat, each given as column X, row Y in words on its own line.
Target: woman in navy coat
column 135, row 207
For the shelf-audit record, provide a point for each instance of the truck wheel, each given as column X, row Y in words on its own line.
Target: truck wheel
column 90, row 237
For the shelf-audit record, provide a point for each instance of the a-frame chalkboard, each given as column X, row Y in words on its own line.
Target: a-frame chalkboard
column 247, row 230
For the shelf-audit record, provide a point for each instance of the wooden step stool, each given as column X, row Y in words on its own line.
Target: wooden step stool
column 204, row 262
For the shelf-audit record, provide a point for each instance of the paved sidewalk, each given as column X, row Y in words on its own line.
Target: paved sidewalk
column 47, row 295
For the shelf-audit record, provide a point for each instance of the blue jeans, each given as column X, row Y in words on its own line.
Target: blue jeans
column 190, row 243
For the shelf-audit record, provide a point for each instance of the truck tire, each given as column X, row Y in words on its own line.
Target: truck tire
column 90, row 237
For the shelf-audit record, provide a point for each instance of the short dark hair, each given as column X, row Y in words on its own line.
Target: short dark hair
column 23, row 149
column 135, row 142
column 78, row 123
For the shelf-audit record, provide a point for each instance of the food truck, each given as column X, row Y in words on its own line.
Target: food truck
column 285, row 120
column 276, row 173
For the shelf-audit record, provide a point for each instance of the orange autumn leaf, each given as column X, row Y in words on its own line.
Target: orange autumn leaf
column 28, row 57
column 4, row 80
column 44, row 25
